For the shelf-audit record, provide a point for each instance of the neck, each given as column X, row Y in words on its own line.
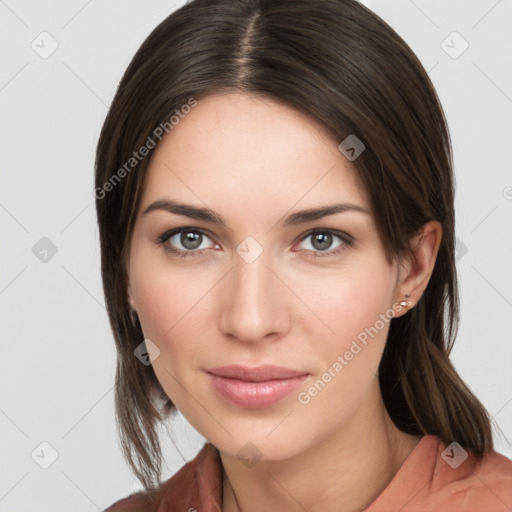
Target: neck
column 348, row 469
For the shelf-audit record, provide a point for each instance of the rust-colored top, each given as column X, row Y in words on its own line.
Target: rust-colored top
column 433, row 478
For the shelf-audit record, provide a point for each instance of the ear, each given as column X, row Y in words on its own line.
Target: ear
column 414, row 273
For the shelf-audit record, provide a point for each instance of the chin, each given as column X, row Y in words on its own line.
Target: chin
column 280, row 444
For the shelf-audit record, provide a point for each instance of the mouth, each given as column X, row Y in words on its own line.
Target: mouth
column 256, row 387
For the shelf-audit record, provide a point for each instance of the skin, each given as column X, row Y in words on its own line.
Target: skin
column 255, row 161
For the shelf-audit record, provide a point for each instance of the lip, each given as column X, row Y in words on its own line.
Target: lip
column 255, row 387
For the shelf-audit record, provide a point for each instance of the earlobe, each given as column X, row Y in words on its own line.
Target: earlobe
column 415, row 274
column 406, row 303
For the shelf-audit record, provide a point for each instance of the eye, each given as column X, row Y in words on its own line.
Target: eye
column 321, row 243
column 185, row 241
column 190, row 241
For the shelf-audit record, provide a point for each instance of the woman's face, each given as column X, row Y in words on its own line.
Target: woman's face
column 265, row 286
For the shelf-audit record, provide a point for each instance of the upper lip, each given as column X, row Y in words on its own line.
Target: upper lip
column 256, row 373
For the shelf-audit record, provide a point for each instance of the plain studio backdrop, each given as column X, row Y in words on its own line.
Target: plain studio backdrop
column 61, row 64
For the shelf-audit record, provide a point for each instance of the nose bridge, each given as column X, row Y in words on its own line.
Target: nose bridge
column 253, row 307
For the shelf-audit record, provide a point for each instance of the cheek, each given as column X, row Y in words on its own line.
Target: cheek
column 347, row 360
column 345, row 303
column 170, row 303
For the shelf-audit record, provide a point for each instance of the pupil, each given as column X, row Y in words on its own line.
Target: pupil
column 190, row 239
column 322, row 241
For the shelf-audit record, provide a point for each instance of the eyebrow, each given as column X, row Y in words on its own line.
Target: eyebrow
column 300, row 217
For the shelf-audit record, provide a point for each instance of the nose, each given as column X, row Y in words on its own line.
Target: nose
column 254, row 304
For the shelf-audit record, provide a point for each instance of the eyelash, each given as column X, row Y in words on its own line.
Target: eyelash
column 347, row 241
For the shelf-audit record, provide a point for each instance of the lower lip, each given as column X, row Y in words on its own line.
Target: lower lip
column 254, row 395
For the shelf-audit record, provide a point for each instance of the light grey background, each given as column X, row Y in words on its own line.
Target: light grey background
column 57, row 354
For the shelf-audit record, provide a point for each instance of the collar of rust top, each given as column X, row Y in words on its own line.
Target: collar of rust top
column 197, row 485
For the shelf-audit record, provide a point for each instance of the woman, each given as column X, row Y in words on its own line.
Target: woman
column 274, row 193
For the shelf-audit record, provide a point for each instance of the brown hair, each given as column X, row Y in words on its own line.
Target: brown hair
column 339, row 63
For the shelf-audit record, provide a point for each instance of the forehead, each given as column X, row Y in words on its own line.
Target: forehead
column 236, row 150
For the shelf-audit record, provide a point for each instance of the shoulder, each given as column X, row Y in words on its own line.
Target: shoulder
column 485, row 484
column 465, row 482
column 185, row 486
column 439, row 477
column 137, row 502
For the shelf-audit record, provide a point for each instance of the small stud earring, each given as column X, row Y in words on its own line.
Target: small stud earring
column 405, row 303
